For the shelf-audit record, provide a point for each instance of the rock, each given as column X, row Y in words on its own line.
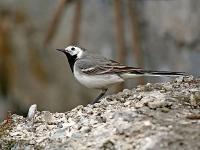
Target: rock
column 108, row 145
column 188, row 78
column 158, row 104
column 31, row 112
column 153, row 116
column 179, row 79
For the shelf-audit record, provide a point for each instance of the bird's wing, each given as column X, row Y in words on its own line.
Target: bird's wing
column 101, row 65
column 119, row 69
column 106, row 66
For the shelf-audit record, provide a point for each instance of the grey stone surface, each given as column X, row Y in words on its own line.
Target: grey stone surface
column 154, row 116
column 169, row 40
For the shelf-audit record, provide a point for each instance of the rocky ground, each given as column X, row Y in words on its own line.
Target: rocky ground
column 153, row 116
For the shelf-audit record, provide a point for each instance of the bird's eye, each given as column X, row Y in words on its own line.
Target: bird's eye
column 72, row 48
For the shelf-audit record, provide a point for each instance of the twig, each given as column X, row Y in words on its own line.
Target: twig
column 55, row 20
column 136, row 43
column 76, row 23
column 121, row 52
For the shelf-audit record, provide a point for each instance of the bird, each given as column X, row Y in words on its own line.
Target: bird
column 98, row 72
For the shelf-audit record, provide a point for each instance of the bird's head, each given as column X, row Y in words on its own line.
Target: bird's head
column 73, row 51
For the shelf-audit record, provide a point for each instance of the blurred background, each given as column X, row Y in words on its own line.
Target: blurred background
column 153, row 34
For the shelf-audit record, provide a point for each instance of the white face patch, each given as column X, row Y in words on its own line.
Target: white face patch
column 73, row 50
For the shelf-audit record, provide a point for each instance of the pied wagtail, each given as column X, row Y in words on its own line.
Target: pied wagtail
column 98, row 72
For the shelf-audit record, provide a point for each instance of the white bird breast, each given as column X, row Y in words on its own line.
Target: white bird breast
column 97, row 81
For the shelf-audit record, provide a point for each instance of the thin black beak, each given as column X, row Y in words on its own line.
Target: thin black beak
column 62, row 50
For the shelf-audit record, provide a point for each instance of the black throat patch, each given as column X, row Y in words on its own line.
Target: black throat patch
column 71, row 60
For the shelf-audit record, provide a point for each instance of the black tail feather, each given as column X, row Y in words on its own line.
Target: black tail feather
column 164, row 73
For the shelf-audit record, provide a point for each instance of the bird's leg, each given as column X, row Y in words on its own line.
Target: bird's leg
column 100, row 96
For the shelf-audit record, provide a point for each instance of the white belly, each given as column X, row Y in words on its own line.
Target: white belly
column 97, row 81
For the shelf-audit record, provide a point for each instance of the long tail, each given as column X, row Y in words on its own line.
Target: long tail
column 163, row 73
column 151, row 73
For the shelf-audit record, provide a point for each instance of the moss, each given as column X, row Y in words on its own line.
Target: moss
column 18, row 144
column 108, row 145
column 7, row 145
column 6, row 125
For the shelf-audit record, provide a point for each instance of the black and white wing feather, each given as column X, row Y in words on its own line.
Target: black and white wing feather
column 100, row 65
